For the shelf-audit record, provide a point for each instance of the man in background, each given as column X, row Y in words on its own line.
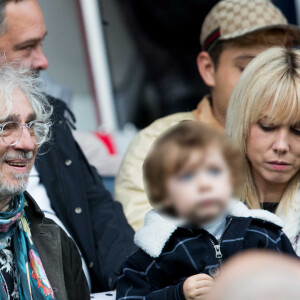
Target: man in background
column 67, row 188
column 233, row 33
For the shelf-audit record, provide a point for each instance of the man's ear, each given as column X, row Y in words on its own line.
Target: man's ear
column 206, row 68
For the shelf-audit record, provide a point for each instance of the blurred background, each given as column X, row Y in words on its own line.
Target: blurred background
column 121, row 64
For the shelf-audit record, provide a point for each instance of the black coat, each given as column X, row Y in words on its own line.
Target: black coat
column 159, row 270
column 59, row 255
column 81, row 202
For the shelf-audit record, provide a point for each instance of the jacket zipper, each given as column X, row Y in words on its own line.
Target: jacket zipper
column 217, row 244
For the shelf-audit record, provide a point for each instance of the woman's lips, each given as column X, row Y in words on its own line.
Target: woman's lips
column 279, row 165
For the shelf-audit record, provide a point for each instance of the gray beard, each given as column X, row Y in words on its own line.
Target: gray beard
column 35, row 73
column 8, row 190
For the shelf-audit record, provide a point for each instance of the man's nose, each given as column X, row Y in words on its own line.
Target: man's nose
column 281, row 143
column 26, row 142
column 40, row 61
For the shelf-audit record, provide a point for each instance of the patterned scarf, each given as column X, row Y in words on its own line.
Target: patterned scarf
column 32, row 280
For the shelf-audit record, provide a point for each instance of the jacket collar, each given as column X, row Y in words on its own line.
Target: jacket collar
column 203, row 113
column 33, row 211
column 159, row 228
column 291, row 221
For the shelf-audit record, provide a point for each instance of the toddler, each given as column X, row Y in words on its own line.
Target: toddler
column 191, row 175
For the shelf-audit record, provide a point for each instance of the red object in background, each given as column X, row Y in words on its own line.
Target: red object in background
column 107, row 140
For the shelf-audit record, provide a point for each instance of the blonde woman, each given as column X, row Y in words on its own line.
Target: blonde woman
column 263, row 119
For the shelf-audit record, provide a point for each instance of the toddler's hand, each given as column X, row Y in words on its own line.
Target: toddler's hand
column 197, row 287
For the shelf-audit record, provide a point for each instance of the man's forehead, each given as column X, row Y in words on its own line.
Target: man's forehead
column 25, row 19
column 20, row 108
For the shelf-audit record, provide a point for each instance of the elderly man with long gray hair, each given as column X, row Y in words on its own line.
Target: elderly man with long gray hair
column 67, row 188
column 37, row 259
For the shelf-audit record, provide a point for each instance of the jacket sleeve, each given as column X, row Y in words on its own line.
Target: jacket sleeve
column 129, row 185
column 113, row 235
column 75, row 280
column 135, row 284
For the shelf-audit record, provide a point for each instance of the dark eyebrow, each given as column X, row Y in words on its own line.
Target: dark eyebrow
column 11, row 118
column 243, row 58
column 31, row 117
column 29, row 42
column 16, row 118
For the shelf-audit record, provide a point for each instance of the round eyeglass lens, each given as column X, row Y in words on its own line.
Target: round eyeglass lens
column 11, row 133
column 40, row 131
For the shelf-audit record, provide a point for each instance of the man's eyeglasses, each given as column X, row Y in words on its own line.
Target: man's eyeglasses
column 11, row 131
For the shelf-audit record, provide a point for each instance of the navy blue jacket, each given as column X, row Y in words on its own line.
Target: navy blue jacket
column 159, row 269
column 81, row 202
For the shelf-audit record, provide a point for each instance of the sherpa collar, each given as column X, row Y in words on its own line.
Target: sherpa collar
column 291, row 221
column 159, row 228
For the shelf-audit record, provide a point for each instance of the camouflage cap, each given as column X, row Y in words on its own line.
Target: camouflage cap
column 230, row 19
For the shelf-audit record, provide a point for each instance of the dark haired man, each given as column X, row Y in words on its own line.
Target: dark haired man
column 66, row 187
column 233, row 33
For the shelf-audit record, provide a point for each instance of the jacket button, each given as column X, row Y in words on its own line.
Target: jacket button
column 213, row 272
column 91, row 264
column 61, row 122
column 78, row 210
column 68, row 162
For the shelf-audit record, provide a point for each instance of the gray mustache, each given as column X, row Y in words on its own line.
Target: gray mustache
column 17, row 154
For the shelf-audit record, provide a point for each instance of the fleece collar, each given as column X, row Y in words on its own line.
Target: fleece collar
column 159, row 228
column 291, row 221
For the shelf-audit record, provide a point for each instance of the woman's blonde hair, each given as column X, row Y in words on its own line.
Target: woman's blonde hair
column 270, row 86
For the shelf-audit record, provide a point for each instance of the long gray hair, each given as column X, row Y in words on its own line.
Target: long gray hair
column 12, row 77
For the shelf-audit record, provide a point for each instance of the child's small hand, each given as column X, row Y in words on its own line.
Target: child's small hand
column 197, row 287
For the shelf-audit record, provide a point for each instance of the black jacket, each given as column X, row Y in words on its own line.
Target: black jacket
column 59, row 255
column 171, row 254
column 81, row 202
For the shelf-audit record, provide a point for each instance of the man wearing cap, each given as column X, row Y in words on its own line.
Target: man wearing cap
column 233, row 33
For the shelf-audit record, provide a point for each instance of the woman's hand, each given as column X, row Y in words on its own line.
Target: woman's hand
column 197, row 287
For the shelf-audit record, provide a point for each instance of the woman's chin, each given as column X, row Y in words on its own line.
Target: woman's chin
column 278, row 178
